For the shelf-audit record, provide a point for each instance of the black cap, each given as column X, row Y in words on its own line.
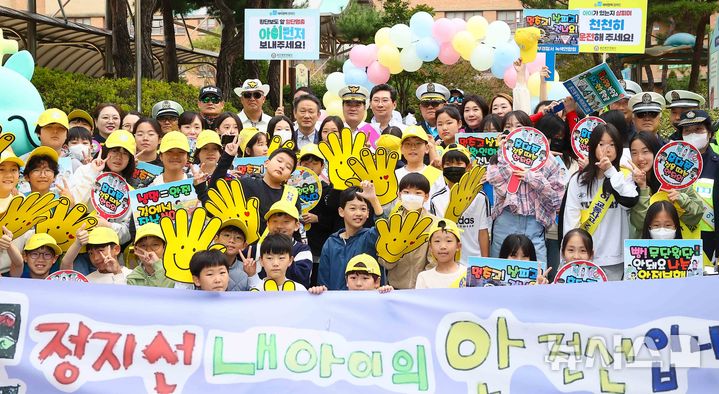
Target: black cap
column 695, row 116
column 210, row 91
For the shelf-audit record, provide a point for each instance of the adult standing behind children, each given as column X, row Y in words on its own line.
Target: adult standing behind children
column 252, row 96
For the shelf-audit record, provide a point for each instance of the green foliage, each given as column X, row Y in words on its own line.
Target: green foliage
column 571, row 65
column 334, row 64
column 358, row 23
column 398, row 11
column 208, row 41
column 68, row 91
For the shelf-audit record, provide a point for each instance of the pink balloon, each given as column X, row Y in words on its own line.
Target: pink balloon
column 377, row 73
column 459, row 24
column 361, row 56
column 510, row 77
column 537, row 64
column 443, row 30
column 372, row 51
column 447, row 54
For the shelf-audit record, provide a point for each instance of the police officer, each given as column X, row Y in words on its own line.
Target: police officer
column 432, row 96
column 167, row 114
column 679, row 101
column 647, row 112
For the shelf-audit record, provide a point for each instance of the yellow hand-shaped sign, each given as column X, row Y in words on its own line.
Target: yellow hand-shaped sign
column 399, row 236
column 464, row 192
column 276, row 143
column 64, row 222
column 229, row 202
column 185, row 237
column 337, row 150
column 6, row 139
column 377, row 168
column 24, row 213
column 271, row 285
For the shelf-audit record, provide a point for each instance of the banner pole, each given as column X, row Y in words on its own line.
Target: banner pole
column 282, row 83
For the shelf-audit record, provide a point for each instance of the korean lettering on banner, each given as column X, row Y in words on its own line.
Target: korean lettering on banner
column 470, row 342
column 485, row 271
column 659, row 259
column 481, row 146
column 282, row 34
column 560, row 29
column 242, row 166
column 580, row 272
column 152, row 203
column 677, row 165
column 611, row 27
column 705, row 189
column 145, row 173
column 595, row 88
column 526, row 148
column 110, row 196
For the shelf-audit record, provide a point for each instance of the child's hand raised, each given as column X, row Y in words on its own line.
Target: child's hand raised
column 542, row 275
column 368, row 190
column 6, row 238
column 110, row 263
column 82, row 235
column 98, row 164
column 233, row 146
column 248, row 263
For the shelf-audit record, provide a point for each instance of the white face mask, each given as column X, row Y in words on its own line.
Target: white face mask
column 411, row 202
column 77, row 151
column 698, row 141
column 285, row 134
column 662, row 233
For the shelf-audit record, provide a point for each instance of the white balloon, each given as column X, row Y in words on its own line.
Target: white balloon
column 335, row 82
column 401, row 35
column 482, row 57
column 498, row 32
column 409, row 60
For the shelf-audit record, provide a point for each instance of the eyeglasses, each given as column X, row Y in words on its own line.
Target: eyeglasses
column 211, row 99
column 456, row 99
column 41, row 255
column 166, row 119
column 642, row 115
column 254, row 95
column 42, row 171
column 433, row 103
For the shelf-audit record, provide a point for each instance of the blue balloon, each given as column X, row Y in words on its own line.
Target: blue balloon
column 356, row 77
column 421, row 24
column 427, row 49
column 347, row 66
column 499, row 69
column 505, row 55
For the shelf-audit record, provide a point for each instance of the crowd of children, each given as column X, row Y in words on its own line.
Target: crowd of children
column 549, row 219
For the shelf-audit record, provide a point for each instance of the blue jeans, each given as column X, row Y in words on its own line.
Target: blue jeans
column 508, row 223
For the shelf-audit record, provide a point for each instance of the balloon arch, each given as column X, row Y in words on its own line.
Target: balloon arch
column 487, row 46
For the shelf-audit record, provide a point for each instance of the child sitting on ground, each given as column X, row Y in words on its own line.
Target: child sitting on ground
column 362, row 273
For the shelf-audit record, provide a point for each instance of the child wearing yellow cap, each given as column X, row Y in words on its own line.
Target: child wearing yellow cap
column 446, row 248
column 149, row 248
column 9, row 178
column 321, row 218
column 103, row 248
column 174, row 154
column 253, row 142
column 40, row 254
column 362, row 273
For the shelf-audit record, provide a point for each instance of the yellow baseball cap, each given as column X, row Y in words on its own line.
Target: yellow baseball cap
column 450, row 227
column 283, row 206
column 44, row 151
column 8, row 156
column 235, row 223
column 174, row 140
column 414, row 131
column 458, row 147
column 207, row 137
column 363, row 263
column 245, row 136
column 53, row 115
column 390, row 142
column 103, row 235
column 310, row 149
column 149, row 230
column 80, row 114
column 122, row 139
column 38, row 240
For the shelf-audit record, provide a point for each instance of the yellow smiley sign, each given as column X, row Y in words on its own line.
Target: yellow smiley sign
column 228, row 201
column 464, row 192
column 184, row 237
column 377, row 168
column 64, row 222
column 337, row 150
column 399, row 236
column 24, row 212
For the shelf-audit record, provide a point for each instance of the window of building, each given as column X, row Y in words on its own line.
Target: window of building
column 82, row 21
column 512, row 18
column 461, row 14
column 157, row 27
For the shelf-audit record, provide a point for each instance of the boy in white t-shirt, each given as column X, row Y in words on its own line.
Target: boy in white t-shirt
column 103, row 249
column 276, row 257
column 475, row 221
column 446, row 248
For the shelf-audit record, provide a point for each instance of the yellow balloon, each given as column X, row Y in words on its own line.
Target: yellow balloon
column 477, row 25
column 388, row 56
column 464, row 43
column 329, row 98
column 335, row 109
column 396, row 69
column 383, row 37
column 533, row 84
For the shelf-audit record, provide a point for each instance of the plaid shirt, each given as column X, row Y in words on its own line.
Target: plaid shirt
column 539, row 194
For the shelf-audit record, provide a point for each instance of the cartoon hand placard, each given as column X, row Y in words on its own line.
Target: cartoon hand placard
column 24, row 213
column 185, row 237
column 64, row 222
column 399, row 236
column 337, row 150
column 229, row 202
column 6, row 139
column 463, row 193
column 276, row 144
column 377, row 168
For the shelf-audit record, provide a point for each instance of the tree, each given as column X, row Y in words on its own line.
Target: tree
column 120, row 39
column 358, row 23
column 168, row 27
column 146, row 14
